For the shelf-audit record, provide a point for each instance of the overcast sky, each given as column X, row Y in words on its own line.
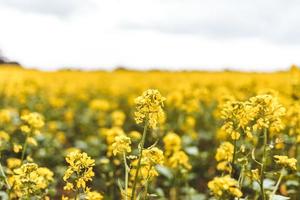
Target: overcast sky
column 170, row 34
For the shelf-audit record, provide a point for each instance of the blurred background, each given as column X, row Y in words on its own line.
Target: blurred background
column 151, row 34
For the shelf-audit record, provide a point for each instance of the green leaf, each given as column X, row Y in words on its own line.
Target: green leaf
column 192, row 151
column 279, row 197
column 120, row 185
column 3, row 195
column 164, row 171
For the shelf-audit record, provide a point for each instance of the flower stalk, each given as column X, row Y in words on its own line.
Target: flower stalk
column 24, row 148
column 263, row 163
column 126, row 175
column 5, row 178
column 141, row 148
column 278, row 183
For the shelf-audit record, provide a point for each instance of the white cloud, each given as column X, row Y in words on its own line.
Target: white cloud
column 169, row 34
column 50, row 7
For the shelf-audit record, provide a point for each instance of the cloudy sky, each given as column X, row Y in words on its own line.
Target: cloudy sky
column 169, row 34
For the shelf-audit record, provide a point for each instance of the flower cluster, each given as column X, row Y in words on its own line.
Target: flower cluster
column 224, row 156
column 121, row 145
column 33, row 122
column 30, row 180
column 93, row 195
column 236, row 115
column 225, row 187
column 255, row 114
column 118, row 118
column 175, row 157
column 110, row 135
column 286, row 162
column 293, row 120
column 79, row 172
column 151, row 157
column 149, row 108
column 172, row 143
column 268, row 113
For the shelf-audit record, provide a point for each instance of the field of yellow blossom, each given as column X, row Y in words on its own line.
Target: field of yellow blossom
column 157, row 135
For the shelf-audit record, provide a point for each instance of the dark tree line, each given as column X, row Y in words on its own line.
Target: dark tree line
column 4, row 60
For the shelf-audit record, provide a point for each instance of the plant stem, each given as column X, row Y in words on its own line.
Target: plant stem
column 141, row 148
column 147, row 183
column 173, row 193
column 263, row 162
column 296, row 152
column 126, row 176
column 233, row 157
column 76, row 194
column 241, row 179
column 24, row 148
column 278, row 183
column 3, row 174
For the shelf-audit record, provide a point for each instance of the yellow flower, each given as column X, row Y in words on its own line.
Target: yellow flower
column 236, row 115
column 32, row 141
column 135, row 135
column 235, row 135
column 25, row 129
column 72, row 149
column 255, row 174
column 61, row 137
column 149, row 108
column 128, row 195
column 93, row 196
column 31, row 180
column 222, row 186
column 118, row 118
column 17, row 148
column 147, row 172
column 5, row 116
column 286, row 161
column 13, row 163
column 4, row 136
column 224, row 156
column 121, row 145
column 64, row 198
column 154, row 156
column 179, row 159
column 110, row 135
column 268, row 112
column 151, row 157
column 225, row 152
column 69, row 186
column 81, row 165
column 172, row 143
column 99, row 105
column 34, row 120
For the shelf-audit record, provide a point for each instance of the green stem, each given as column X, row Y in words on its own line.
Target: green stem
column 241, row 179
column 147, row 183
column 278, row 183
column 296, row 151
column 189, row 197
column 141, row 148
column 126, row 176
column 233, row 157
column 262, row 168
column 5, row 178
column 24, row 148
column 76, row 194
